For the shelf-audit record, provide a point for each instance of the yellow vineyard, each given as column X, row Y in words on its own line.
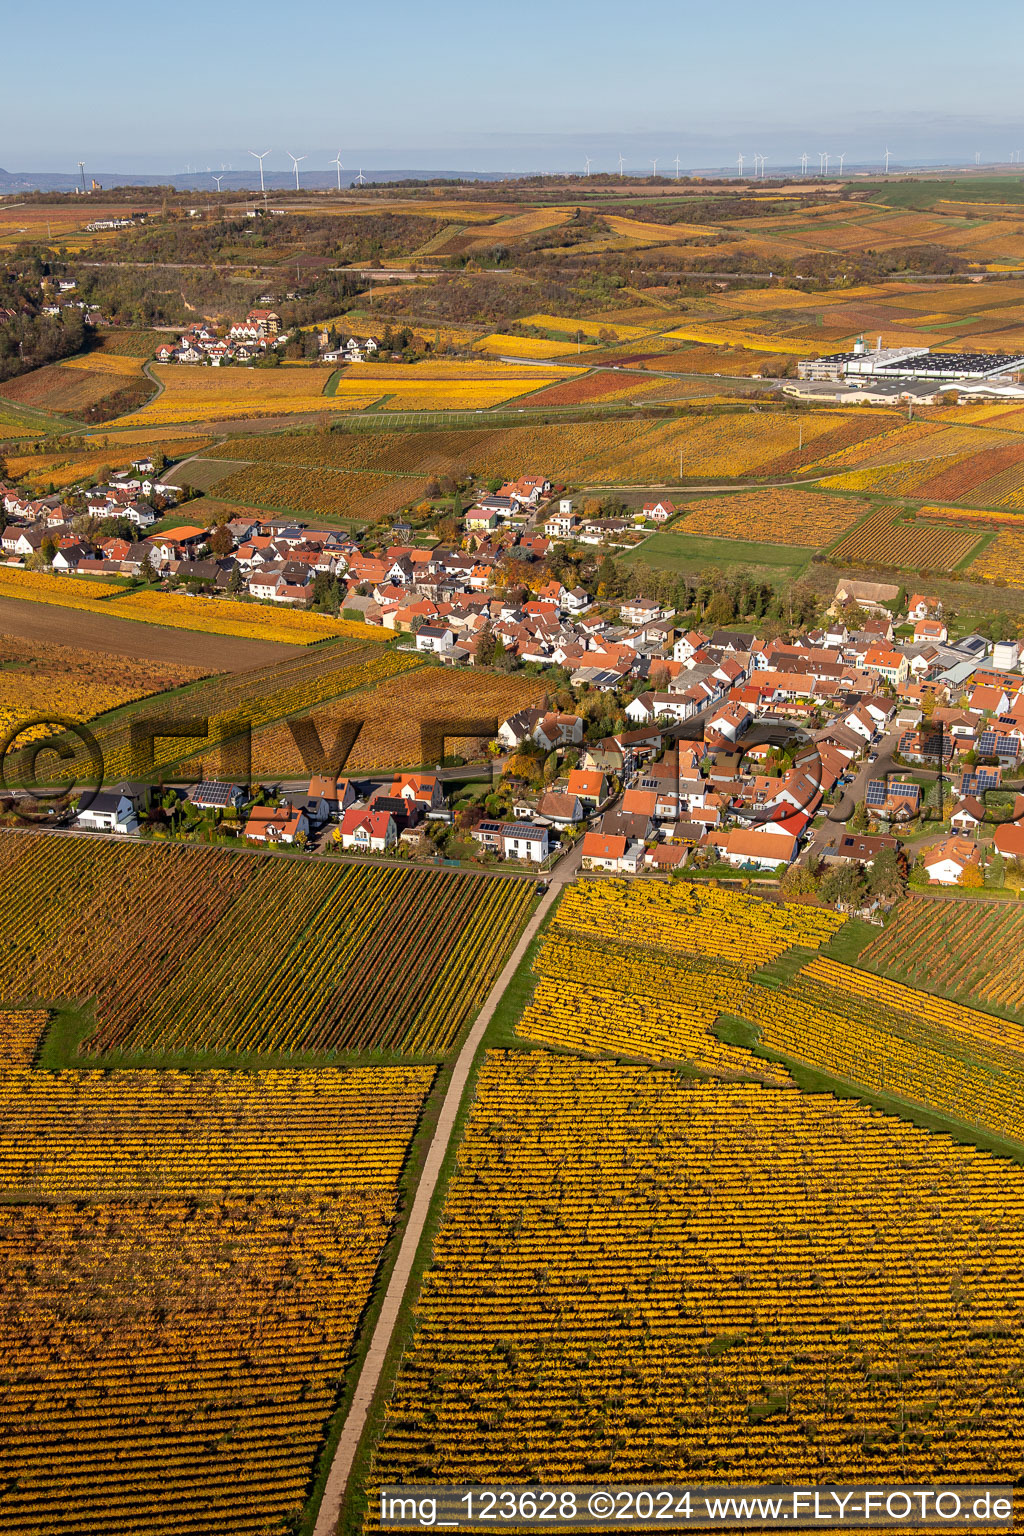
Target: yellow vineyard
column 643, row 1279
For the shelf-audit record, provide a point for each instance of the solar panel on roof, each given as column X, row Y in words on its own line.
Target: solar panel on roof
column 876, row 794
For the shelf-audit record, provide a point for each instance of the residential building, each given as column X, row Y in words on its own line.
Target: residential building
column 366, row 830
column 523, row 840
column 108, row 811
column 947, row 862
column 276, row 824
column 613, row 854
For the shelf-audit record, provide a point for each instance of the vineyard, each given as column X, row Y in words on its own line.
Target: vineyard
column 363, row 497
column 1003, row 559
column 79, row 384
column 645, row 970
column 184, row 1262
column 622, row 999
column 500, row 344
column 205, row 394
column 719, row 445
column 896, row 1041
column 20, row 1034
column 640, row 1279
column 255, row 698
column 949, row 950
column 882, row 539
column 247, row 621
column 685, row 919
column 192, row 949
column 57, row 466
column 400, row 719
column 777, row 516
column 61, row 679
column 602, row 385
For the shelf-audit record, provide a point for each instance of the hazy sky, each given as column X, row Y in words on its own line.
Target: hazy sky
column 534, row 84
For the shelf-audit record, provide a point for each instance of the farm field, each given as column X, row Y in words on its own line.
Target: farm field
column 785, row 515
column 79, row 386
column 645, row 971
column 1003, row 559
column 362, row 958
column 247, row 621
column 927, row 944
column 883, row 539
column 919, row 1051
column 102, row 635
column 643, row 1279
column 672, row 550
column 358, row 496
column 205, row 394
column 257, row 697
column 20, row 222
column 401, row 718
column 184, row 1262
column 43, row 678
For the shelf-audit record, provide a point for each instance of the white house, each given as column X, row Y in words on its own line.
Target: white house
column 758, row 850
column 433, row 638
column 367, row 831
column 515, row 839
column 946, row 862
column 617, row 855
column 109, row 811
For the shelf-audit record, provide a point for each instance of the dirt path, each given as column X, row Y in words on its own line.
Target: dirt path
column 394, row 1297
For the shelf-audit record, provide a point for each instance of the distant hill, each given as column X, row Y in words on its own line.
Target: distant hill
column 231, row 181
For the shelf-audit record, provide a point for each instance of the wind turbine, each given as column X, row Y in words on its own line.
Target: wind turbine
column 360, row 178
column 887, row 162
column 296, row 160
column 655, row 164
column 677, row 167
column 218, row 180
column 739, row 165
column 261, row 159
column 842, row 157
column 827, row 158
column 621, row 163
column 803, row 165
column 586, row 170
column 337, row 161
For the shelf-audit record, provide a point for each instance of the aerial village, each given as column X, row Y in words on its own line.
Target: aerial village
column 818, row 751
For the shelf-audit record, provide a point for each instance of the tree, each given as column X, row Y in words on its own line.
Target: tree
column 972, row 878
column 844, row 886
column 720, row 610
column 858, row 822
column 485, row 645
column 886, row 878
column 798, row 881
column 523, row 767
column 221, row 542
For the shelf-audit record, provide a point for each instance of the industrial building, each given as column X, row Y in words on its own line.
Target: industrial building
column 911, row 363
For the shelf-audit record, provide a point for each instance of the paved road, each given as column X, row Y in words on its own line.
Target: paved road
column 394, row 1297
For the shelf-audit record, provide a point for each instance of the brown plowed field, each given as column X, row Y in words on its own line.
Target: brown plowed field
column 124, row 637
